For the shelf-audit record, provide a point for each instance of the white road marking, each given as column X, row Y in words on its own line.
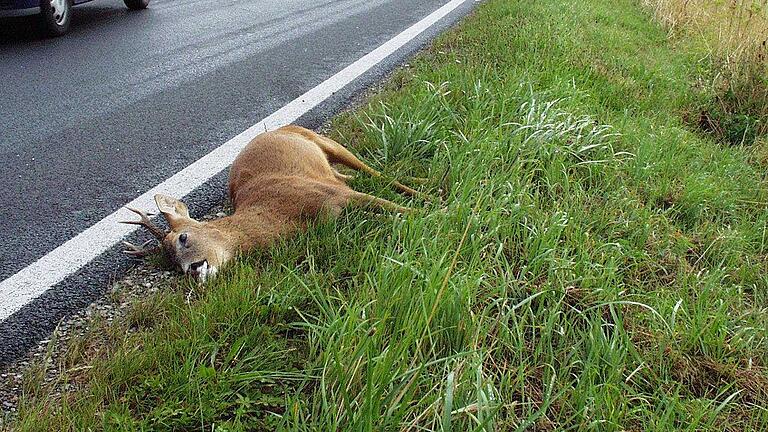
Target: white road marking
column 54, row 267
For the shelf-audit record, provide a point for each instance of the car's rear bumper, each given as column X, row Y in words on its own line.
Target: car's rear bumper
column 19, row 7
column 19, row 12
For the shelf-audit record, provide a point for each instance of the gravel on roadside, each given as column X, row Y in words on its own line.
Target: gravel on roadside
column 43, row 368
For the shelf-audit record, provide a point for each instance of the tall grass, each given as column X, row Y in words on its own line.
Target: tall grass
column 735, row 36
column 587, row 263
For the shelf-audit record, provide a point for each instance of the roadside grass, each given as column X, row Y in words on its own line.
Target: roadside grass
column 732, row 37
column 588, row 262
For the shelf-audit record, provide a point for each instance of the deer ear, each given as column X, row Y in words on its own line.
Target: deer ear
column 175, row 211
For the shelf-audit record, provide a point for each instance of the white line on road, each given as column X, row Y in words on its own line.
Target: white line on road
column 54, row 267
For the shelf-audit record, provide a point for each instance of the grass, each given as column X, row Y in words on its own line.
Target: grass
column 733, row 38
column 590, row 264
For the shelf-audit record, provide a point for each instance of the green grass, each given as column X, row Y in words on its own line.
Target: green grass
column 590, row 264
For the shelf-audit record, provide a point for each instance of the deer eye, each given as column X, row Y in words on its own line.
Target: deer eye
column 183, row 238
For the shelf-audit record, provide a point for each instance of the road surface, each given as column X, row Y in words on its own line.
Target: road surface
column 93, row 119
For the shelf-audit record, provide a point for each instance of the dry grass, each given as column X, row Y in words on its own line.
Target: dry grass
column 735, row 35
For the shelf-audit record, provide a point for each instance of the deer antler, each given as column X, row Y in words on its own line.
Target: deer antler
column 146, row 223
column 140, row 251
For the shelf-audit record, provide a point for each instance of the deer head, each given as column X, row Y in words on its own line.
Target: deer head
column 195, row 248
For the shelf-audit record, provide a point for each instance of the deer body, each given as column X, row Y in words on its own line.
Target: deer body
column 282, row 180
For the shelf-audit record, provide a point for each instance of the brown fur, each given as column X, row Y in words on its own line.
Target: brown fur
column 281, row 180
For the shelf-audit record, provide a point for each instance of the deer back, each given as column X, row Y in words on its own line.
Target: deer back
column 285, row 172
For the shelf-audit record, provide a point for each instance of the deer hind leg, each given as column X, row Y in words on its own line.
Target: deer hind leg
column 360, row 199
column 341, row 177
column 336, row 153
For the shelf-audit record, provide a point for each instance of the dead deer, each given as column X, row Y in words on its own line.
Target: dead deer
column 282, row 180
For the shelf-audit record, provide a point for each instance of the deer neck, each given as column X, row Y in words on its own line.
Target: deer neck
column 251, row 228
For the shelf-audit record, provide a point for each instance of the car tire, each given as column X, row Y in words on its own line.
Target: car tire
column 136, row 4
column 56, row 16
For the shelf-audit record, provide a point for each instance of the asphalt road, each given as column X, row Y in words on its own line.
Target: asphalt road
column 93, row 119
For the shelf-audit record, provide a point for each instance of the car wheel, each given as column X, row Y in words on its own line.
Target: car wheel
column 136, row 4
column 56, row 15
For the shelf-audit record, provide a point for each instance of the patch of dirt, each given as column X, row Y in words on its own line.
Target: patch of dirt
column 704, row 377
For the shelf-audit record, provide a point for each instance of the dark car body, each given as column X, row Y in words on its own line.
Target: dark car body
column 24, row 7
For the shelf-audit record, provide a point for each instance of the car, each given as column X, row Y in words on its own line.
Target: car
column 55, row 15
